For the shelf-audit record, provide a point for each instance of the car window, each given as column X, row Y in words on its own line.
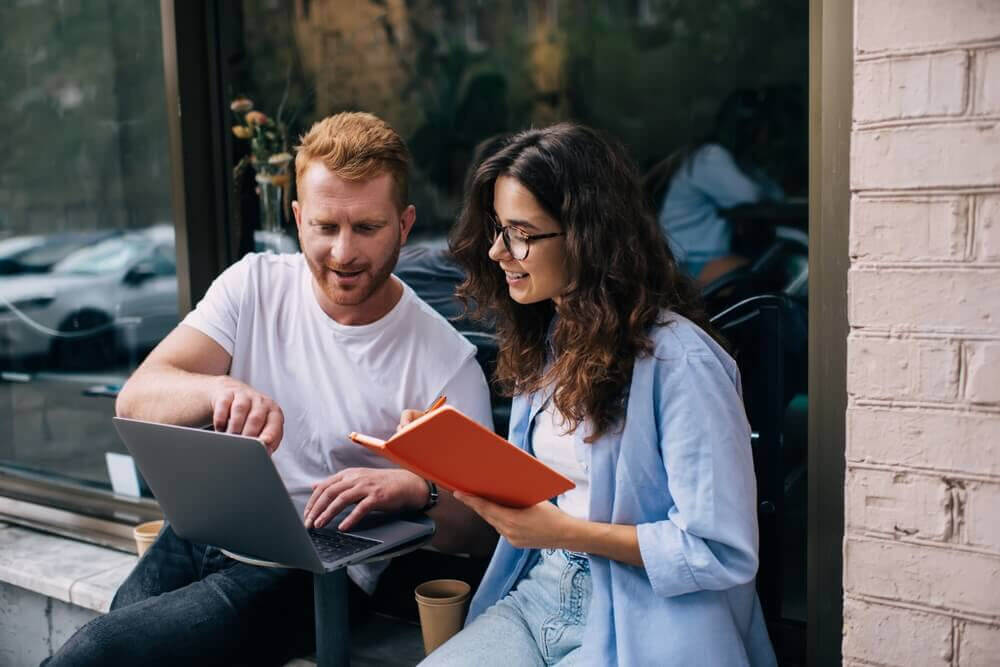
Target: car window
column 109, row 256
column 163, row 260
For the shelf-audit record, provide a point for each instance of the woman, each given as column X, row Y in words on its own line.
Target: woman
column 651, row 558
column 717, row 173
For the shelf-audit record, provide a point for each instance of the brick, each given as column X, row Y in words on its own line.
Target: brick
column 982, row 515
column 895, row 502
column 894, row 636
column 987, row 234
column 987, row 82
column 953, row 441
column 949, row 299
column 961, row 580
column 902, row 369
column 926, row 156
column 979, row 645
column 890, row 24
column 911, row 229
column 983, row 369
column 910, row 87
column 903, row 503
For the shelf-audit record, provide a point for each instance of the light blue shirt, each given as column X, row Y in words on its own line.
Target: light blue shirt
column 681, row 471
column 707, row 182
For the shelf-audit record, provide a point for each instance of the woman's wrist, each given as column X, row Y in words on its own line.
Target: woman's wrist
column 577, row 535
column 614, row 541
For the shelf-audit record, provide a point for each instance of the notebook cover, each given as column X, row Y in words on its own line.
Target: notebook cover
column 458, row 453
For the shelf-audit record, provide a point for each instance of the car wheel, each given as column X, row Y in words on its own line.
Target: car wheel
column 77, row 352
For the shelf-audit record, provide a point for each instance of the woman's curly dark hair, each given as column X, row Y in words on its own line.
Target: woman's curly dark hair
column 622, row 273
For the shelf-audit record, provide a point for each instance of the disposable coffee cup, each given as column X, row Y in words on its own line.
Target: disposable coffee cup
column 442, row 605
column 145, row 534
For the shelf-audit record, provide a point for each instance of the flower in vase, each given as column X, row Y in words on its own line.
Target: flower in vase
column 256, row 118
column 242, row 132
column 241, row 105
column 280, row 159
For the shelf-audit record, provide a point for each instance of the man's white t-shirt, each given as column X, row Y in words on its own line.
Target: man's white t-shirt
column 331, row 379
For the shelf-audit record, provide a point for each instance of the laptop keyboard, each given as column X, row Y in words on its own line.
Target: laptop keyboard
column 334, row 546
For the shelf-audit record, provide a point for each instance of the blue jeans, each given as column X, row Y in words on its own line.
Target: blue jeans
column 189, row 604
column 540, row 622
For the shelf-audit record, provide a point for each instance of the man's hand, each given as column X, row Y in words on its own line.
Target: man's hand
column 239, row 408
column 371, row 488
column 541, row 526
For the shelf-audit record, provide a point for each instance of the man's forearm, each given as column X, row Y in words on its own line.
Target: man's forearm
column 162, row 393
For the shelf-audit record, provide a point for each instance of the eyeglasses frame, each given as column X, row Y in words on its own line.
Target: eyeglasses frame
column 502, row 231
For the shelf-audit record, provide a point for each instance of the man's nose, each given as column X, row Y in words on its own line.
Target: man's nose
column 344, row 248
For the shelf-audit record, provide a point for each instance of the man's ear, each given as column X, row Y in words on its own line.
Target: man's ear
column 406, row 222
column 297, row 211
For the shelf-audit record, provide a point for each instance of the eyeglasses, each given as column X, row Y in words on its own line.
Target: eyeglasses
column 516, row 241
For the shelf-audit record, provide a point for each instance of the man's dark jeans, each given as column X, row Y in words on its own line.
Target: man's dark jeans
column 189, row 604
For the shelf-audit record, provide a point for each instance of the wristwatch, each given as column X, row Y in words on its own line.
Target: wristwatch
column 432, row 496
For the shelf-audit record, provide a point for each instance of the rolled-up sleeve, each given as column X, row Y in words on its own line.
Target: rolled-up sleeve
column 709, row 539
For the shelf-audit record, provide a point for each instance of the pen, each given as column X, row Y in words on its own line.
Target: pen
column 438, row 402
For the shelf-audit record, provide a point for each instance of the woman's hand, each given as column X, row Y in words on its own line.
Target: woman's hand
column 541, row 526
column 407, row 417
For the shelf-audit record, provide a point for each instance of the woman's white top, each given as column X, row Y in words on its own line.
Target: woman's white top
column 554, row 447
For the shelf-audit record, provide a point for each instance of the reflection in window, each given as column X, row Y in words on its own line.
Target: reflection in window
column 87, row 263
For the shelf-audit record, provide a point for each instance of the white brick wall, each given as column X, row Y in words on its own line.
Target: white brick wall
column 926, row 85
column 987, row 82
column 922, row 494
column 926, row 156
column 923, row 228
column 917, row 25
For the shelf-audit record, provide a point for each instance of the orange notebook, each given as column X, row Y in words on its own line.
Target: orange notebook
column 458, row 453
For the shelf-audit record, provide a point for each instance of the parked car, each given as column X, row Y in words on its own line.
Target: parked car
column 117, row 296
column 39, row 253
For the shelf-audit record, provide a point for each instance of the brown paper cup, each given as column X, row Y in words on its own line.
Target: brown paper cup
column 145, row 534
column 442, row 604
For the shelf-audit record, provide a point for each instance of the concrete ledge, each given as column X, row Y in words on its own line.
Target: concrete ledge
column 50, row 586
column 74, row 572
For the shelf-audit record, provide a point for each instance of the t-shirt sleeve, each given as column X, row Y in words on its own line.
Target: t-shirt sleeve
column 716, row 174
column 468, row 392
column 217, row 314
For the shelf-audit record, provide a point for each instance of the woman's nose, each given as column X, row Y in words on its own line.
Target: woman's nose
column 498, row 250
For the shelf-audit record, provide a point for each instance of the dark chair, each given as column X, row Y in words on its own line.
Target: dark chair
column 766, row 336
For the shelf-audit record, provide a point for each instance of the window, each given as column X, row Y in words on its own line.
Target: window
column 87, row 264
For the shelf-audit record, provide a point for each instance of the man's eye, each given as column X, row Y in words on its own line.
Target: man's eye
column 366, row 229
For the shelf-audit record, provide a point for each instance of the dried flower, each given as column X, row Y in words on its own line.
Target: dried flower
column 242, row 132
column 256, row 118
column 280, row 159
column 241, row 105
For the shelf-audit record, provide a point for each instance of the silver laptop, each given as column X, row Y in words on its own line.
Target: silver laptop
column 223, row 489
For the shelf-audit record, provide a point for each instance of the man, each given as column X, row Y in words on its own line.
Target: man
column 297, row 350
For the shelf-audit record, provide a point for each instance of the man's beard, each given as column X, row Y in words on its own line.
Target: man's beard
column 355, row 297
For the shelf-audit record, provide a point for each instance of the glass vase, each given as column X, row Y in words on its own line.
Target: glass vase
column 272, row 209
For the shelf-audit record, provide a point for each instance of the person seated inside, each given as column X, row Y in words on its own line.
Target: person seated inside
column 717, row 173
column 298, row 351
column 619, row 384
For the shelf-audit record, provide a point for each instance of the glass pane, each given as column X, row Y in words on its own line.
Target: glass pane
column 88, row 280
column 672, row 79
